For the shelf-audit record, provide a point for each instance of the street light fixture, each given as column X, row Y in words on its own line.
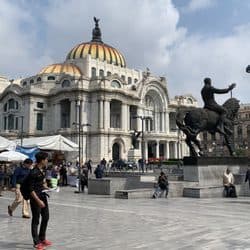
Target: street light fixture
column 80, row 125
column 142, row 118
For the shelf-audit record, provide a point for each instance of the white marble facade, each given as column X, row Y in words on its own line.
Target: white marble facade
column 95, row 81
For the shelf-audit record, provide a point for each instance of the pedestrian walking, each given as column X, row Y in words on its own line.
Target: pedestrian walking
column 19, row 175
column 38, row 201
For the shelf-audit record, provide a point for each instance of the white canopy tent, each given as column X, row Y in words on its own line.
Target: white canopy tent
column 55, row 142
column 10, row 156
column 6, row 144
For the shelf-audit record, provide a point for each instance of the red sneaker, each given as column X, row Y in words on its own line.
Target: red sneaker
column 39, row 246
column 46, row 243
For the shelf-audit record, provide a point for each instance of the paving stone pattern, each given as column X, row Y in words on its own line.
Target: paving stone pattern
column 82, row 221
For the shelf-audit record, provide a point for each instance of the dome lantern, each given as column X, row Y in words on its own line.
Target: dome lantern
column 96, row 33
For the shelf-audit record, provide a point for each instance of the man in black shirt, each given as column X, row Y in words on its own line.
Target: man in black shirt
column 38, row 201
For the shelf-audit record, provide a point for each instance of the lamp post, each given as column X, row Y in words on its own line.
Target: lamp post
column 142, row 118
column 80, row 126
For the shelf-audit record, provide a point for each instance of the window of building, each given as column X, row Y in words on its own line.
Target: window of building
column 40, row 105
column 11, row 104
column 108, row 73
column 93, row 72
column 101, row 73
column 65, row 83
column 115, row 84
column 24, row 83
column 123, row 77
column 129, row 80
column 16, row 123
column 5, row 107
column 5, row 123
column 11, row 122
column 135, row 80
column 51, row 78
column 32, row 81
column 65, row 113
column 39, row 79
column 39, row 121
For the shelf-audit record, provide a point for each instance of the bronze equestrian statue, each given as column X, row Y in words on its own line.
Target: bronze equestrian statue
column 212, row 118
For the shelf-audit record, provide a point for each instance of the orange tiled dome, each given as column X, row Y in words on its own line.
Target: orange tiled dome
column 59, row 68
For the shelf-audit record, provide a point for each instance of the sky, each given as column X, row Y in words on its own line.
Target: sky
column 183, row 40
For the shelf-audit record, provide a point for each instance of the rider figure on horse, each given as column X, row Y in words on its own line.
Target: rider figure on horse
column 207, row 94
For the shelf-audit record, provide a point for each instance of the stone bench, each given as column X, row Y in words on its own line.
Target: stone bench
column 203, row 191
column 134, row 193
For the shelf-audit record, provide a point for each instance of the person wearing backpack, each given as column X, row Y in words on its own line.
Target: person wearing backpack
column 38, row 201
column 19, row 175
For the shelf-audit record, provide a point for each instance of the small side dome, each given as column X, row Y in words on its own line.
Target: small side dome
column 60, row 68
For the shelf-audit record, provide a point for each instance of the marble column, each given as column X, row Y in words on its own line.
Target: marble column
column 124, row 117
column 106, row 114
column 145, row 150
column 100, row 105
column 167, row 150
column 72, row 112
column 175, row 150
column 57, row 116
column 157, row 149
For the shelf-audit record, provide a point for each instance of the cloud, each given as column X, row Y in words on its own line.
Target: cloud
column 149, row 36
column 224, row 59
column 195, row 5
column 18, row 43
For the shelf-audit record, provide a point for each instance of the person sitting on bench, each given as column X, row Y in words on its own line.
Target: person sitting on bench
column 228, row 183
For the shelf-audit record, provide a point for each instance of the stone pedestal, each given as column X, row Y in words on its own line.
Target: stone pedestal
column 134, row 154
column 208, row 173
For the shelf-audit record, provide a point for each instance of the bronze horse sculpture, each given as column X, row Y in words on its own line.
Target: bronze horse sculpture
column 196, row 120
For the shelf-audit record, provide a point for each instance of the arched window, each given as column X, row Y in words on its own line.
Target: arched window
column 115, row 84
column 101, row 73
column 11, row 103
column 51, row 78
column 129, row 80
column 32, row 81
column 39, row 79
column 24, row 83
column 93, row 72
column 189, row 101
column 65, row 83
column 135, row 80
column 65, row 113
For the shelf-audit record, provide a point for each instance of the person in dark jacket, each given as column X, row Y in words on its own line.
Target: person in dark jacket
column 162, row 186
column 247, row 178
column 38, row 201
column 19, row 174
column 98, row 172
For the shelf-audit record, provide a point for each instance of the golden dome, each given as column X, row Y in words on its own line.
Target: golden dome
column 59, row 68
column 97, row 49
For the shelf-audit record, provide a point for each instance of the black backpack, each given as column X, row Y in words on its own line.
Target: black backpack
column 25, row 191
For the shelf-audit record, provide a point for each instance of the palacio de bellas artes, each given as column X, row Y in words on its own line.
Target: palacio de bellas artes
column 96, row 89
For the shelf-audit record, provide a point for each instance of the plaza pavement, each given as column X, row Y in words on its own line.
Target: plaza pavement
column 82, row 221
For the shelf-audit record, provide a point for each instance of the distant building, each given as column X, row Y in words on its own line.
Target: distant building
column 94, row 85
